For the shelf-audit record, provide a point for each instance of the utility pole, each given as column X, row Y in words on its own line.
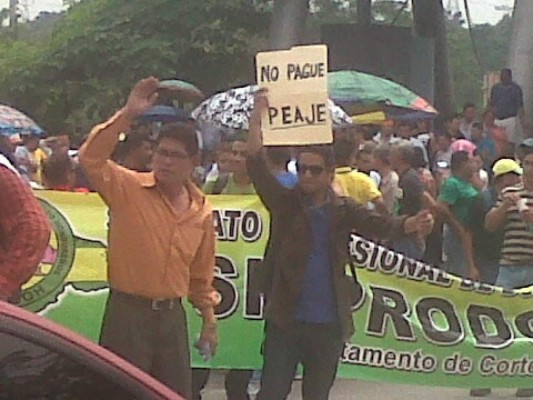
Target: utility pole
column 430, row 22
column 13, row 17
column 444, row 98
column 364, row 13
column 521, row 53
column 288, row 23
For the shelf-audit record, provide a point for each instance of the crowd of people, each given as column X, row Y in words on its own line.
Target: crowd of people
column 458, row 196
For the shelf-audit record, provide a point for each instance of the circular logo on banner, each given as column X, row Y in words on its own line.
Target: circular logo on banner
column 47, row 282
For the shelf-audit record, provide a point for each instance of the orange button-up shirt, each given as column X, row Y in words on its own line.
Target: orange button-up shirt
column 153, row 251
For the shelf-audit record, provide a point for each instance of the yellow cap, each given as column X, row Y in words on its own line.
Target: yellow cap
column 505, row 166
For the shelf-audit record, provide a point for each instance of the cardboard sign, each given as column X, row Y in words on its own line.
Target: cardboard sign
column 297, row 86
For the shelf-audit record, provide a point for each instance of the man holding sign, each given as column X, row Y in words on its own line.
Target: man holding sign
column 308, row 295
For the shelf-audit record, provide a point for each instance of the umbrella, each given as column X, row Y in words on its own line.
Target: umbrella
column 232, row 109
column 165, row 114
column 371, row 118
column 174, row 88
column 360, row 93
column 14, row 122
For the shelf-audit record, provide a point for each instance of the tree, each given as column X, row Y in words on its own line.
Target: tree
column 492, row 43
column 101, row 47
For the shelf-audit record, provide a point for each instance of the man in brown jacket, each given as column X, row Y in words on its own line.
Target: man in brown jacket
column 308, row 315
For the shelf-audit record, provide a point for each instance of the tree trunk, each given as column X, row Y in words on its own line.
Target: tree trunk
column 364, row 12
column 444, row 99
column 13, row 18
column 288, row 24
column 521, row 53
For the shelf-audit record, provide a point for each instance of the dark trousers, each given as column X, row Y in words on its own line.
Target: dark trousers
column 156, row 341
column 317, row 346
column 236, row 383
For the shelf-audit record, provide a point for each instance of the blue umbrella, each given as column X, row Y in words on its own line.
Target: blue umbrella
column 165, row 114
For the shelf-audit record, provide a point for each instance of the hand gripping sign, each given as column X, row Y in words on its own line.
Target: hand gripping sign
column 297, row 86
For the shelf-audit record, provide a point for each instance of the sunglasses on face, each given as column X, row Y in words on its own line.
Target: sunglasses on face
column 315, row 170
column 174, row 155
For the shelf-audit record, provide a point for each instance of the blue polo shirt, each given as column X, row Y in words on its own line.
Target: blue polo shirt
column 317, row 302
column 287, row 179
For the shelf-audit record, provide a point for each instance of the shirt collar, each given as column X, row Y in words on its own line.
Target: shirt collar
column 148, row 181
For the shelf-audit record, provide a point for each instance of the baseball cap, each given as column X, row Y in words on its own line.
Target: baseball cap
column 505, row 166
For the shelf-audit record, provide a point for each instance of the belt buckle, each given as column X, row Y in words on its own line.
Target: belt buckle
column 156, row 304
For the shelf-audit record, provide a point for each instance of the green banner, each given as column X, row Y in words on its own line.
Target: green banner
column 409, row 317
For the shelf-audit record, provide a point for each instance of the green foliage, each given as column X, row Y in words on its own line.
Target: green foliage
column 492, row 43
column 392, row 12
column 100, row 48
column 77, row 73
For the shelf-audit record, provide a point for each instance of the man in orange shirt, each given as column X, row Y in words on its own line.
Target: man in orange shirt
column 161, row 246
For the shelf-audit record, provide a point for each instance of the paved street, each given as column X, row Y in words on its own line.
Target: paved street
column 362, row 390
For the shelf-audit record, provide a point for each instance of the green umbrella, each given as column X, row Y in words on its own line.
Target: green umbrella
column 181, row 90
column 360, row 93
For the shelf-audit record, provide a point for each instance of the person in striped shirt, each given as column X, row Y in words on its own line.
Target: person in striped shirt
column 514, row 212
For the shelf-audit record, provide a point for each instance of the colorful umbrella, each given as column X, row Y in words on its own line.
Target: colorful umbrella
column 232, row 109
column 360, row 93
column 14, row 122
column 371, row 118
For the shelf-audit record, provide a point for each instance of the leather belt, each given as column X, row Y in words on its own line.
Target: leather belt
column 156, row 304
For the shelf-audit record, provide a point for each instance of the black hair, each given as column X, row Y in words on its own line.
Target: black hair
column 367, row 147
column 324, row 151
column 183, row 133
column 507, row 71
column 445, row 135
column 524, row 151
column 5, row 150
column 56, row 168
column 451, row 117
column 279, row 155
column 468, row 105
column 404, row 123
column 382, row 153
column 343, row 150
column 405, row 150
column 418, row 160
column 133, row 141
column 458, row 159
column 477, row 125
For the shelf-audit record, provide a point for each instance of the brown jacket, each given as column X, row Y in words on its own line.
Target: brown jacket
column 290, row 240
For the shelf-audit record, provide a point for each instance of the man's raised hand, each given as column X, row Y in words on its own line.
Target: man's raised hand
column 255, row 138
column 142, row 97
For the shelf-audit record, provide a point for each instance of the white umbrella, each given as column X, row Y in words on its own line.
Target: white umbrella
column 232, row 109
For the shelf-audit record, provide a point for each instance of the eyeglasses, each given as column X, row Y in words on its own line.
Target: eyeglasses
column 315, row 170
column 174, row 155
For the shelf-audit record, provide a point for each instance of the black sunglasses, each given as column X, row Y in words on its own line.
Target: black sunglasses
column 315, row 170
